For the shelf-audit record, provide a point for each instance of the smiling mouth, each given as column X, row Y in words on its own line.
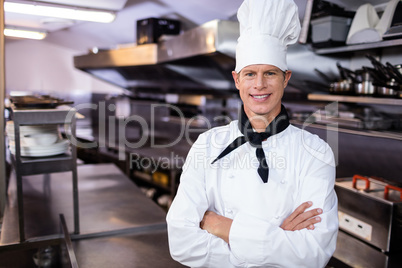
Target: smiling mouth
column 260, row 96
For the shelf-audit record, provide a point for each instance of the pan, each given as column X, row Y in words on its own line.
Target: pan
column 394, row 72
column 373, row 74
column 382, row 71
column 389, row 90
column 346, row 83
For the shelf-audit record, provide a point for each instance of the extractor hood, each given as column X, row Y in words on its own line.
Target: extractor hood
column 195, row 61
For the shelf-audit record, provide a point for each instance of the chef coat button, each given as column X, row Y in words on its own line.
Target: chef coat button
column 283, row 181
column 276, row 217
column 229, row 211
column 231, row 176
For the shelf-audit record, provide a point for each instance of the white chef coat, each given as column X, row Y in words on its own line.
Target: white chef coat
column 301, row 168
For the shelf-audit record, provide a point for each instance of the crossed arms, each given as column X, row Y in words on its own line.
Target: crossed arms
column 220, row 226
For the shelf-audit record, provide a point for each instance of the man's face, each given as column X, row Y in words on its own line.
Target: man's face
column 261, row 88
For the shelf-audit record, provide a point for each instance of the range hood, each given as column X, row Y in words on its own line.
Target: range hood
column 195, row 61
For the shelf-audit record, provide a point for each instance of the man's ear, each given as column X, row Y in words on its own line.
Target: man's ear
column 236, row 79
column 288, row 74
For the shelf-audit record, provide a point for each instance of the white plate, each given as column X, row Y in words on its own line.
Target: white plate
column 10, row 135
column 34, row 129
column 38, row 151
column 40, row 139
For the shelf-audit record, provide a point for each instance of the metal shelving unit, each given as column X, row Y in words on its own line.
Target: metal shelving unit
column 358, row 99
column 354, row 99
column 25, row 166
column 359, row 47
column 367, row 133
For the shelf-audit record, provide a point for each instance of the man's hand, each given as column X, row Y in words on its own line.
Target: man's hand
column 300, row 218
column 220, row 226
column 217, row 225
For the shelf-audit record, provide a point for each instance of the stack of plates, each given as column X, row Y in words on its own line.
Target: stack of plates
column 38, row 140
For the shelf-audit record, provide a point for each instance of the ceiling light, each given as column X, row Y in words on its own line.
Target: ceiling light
column 60, row 12
column 24, row 34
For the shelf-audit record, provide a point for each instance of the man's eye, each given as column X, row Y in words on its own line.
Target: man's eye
column 270, row 73
column 249, row 74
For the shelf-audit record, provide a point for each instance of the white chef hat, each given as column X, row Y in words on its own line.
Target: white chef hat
column 267, row 28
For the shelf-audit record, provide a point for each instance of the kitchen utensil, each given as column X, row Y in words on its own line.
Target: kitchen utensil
column 389, row 90
column 365, row 88
column 346, row 83
column 346, row 73
column 341, row 71
column 381, row 69
column 341, row 87
column 394, row 71
column 373, row 74
column 362, row 75
column 359, row 81
column 386, row 91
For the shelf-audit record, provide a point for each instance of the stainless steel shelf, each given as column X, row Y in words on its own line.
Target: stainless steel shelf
column 43, row 116
column 361, row 132
column 34, row 166
column 354, row 99
column 38, row 160
column 359, row 47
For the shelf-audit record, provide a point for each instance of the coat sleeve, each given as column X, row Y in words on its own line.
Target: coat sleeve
column 188, row 243
column 258, row 242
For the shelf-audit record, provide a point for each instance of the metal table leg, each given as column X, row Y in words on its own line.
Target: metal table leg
column 20, row 202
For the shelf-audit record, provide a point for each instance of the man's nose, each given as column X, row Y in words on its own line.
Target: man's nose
column 259, row 81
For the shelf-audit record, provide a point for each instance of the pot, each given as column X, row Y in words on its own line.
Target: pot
column 371, row 74
column 395, row 72
column 389, row 90
column 365, row 88
column 341, row 87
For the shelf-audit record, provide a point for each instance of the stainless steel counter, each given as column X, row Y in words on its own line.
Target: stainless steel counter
column 119, row 224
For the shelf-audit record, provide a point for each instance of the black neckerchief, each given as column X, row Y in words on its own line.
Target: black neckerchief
column 279, row 124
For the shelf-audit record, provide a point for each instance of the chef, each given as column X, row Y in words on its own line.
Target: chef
column 258, row 192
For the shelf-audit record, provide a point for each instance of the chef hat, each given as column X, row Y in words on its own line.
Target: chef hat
column 267, row 28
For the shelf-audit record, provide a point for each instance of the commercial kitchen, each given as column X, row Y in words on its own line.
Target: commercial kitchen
column 99, row 118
